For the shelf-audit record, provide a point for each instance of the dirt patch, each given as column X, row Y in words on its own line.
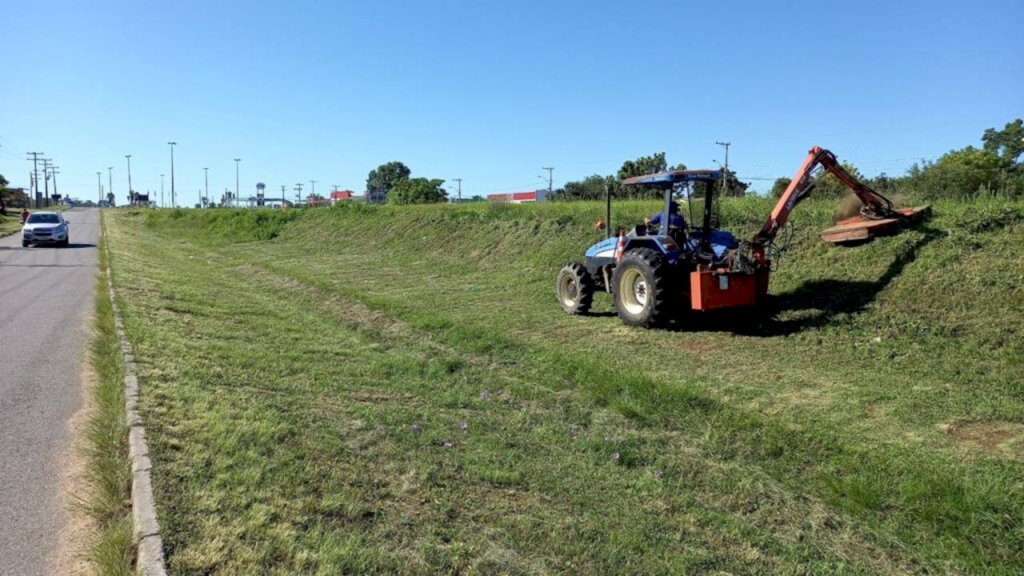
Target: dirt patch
column 1004, row 439
column 74, row 486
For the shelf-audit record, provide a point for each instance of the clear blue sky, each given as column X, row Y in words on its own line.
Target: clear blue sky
column 491, row 92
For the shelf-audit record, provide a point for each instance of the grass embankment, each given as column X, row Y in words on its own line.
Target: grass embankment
column 11, row 223
column 111, row 549
column 395, row 390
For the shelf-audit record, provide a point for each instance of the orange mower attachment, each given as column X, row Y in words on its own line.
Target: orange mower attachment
column 862, row 228
column 877, row 216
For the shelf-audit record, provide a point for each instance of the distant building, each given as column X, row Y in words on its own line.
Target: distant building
column 519, row 197
column 339, row 195
column 376, row 196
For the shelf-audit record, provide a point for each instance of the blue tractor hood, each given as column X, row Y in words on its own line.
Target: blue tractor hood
column 603, row 249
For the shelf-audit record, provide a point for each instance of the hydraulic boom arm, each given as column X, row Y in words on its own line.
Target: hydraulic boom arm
column 875, row 206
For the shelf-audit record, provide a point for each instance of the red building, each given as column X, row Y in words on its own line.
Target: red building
column 339, row 195
column 519, row 197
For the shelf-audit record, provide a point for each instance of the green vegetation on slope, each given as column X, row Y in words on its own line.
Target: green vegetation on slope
column 307, row 376
column 111, row 549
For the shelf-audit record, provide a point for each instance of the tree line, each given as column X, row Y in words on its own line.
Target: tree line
column 993, row 170
column 595, row 187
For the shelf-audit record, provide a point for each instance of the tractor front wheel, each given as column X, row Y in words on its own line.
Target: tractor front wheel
column 641, row 288
column 574, row 289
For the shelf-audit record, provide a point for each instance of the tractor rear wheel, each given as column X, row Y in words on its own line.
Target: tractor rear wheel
column 574, row 289
column 641, row 288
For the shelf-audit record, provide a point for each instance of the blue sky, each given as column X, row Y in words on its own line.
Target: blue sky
column 492, row 92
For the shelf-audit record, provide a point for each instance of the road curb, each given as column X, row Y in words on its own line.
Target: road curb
column 145, row 528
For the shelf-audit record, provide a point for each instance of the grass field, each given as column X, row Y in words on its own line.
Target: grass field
column 11, row 223
column 383, row 390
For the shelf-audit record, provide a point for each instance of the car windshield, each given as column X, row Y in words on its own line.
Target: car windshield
column 43, row 219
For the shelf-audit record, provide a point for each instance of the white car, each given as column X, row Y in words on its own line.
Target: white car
column 45, row 228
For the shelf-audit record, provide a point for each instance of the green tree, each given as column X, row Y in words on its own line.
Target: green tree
column 643, row 165
column 383, row 178
column 3, row 195
column 417, row 191
column 737, row 187
column 1007, row 143
column 780, row 185
column 959, row 174
column 826, row 185
column 590, row 188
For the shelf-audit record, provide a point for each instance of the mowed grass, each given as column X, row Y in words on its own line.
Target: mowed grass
column 384, row 390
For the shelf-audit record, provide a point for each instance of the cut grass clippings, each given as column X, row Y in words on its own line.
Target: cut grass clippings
column 382, row 390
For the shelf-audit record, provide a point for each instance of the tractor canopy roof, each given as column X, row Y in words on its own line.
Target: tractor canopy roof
column 674, row 177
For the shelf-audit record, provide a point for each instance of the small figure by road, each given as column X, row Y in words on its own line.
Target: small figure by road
column 24, row 216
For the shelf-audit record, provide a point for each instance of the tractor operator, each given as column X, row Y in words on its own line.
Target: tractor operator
column 675, row 220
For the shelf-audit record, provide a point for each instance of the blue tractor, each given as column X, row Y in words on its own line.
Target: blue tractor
column 655, row 271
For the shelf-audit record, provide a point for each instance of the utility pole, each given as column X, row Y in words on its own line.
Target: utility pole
column 283, row 193
column 298, row 193
column 312, row 190
column 46, row 179
column 550, row 170
column 161, row 190
column 99, row 186
column 726, row 146
column 131, row 197
column 174, row 198
column 53, row 172
column 459, row 180
column 110, row 180
column 206, row 185
column 237, row 162
column 35, row 176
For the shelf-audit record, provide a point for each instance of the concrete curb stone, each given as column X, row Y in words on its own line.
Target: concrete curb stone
column 145, row 528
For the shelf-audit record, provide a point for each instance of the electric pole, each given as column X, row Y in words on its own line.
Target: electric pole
column 161, row 190
column 312, row 190
column 174, row 198
column 459, row 181
column 298, row 193
column 237, row 161
column 726, row 146
column 99, row 186
column 35, row 176
column 206, row 185
column 46, row 179
column 550, row 170
column 53, row 172
column 110, row 180
column 131, row 196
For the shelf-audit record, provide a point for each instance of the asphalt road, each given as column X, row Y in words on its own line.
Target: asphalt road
column 45, row 297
